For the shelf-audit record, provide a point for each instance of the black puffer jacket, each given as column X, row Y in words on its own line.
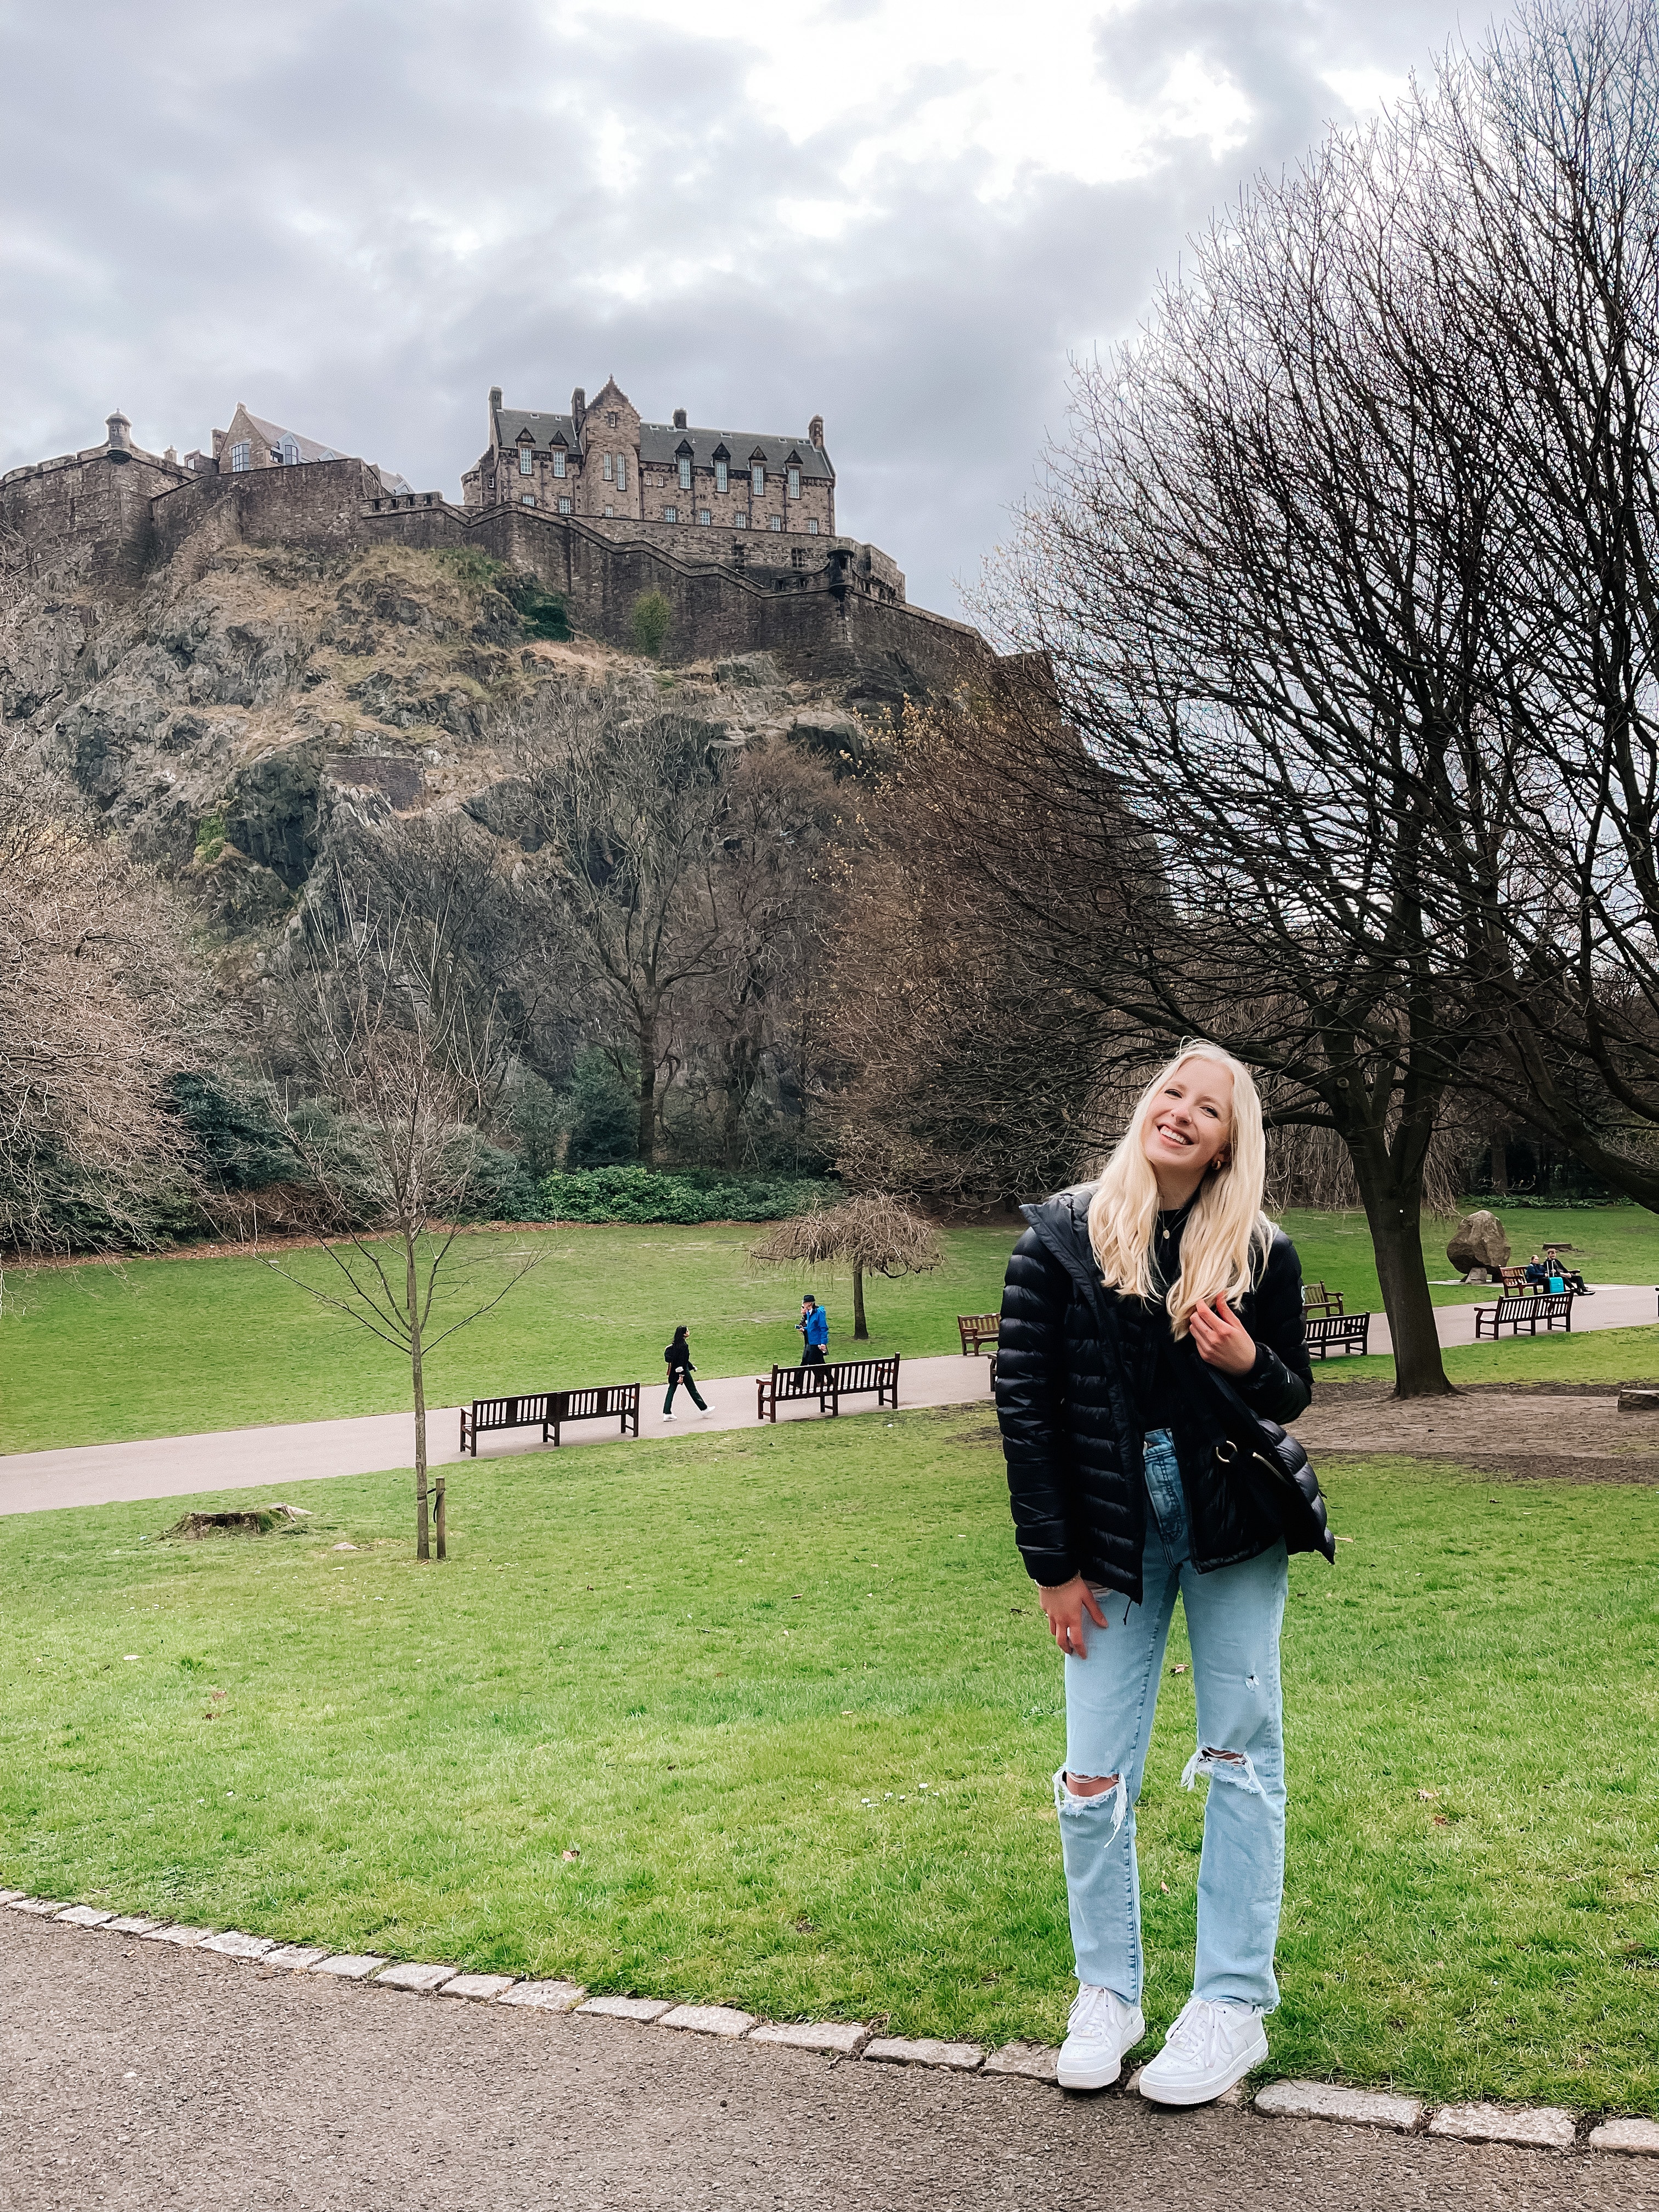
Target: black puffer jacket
column 1075, row 1472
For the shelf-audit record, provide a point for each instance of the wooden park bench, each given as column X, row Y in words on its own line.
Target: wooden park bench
column 1526, row 1310
column 1316, row 1298
column 1336, row 1332
column 548, row 1409
column 975, row 1329
column 489, row 1414
column 839, row 1379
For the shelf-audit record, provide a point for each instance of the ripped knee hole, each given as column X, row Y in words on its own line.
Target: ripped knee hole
column 1091, row 1785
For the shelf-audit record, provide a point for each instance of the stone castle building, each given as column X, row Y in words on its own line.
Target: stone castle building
column 606, row 464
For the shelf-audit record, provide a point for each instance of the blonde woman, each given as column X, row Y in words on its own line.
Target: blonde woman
column 1137, row 1311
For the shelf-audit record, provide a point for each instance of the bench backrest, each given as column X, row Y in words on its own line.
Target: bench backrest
column 512, row 1412
column 588, row 1404
column 1315, row 1295
column 980, row 1324
column 1515, row 1279
column 836, row 1374
column 1319, row 1329
column 1532, row 1301
column 865, row 1374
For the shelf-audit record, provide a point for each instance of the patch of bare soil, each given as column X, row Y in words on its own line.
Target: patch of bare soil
column 1573, row 1435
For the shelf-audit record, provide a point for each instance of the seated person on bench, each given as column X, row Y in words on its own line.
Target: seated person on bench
column 1571, row 1278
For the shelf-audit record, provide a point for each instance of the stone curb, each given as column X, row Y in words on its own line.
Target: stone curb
column 1538, row 2127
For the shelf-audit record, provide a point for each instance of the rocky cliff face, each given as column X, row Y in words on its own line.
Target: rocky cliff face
column 225, row 717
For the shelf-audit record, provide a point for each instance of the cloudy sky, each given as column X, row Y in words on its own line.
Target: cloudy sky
column 904, row 215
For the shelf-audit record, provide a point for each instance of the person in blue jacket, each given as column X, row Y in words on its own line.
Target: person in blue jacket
column 814, row 1326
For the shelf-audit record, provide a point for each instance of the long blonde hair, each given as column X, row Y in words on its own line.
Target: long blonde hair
column 1227, row 1234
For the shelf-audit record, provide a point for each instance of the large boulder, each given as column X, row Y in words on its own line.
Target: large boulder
column 1478, row 1246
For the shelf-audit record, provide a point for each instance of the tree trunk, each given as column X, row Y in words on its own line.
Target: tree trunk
column 1393, row 1199
column 1500, row 1167
column 411, row 1292
column 860, row 1327
column 647, row 1130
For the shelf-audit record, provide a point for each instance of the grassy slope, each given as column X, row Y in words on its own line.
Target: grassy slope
column 730, row 1714
column 172, row 1347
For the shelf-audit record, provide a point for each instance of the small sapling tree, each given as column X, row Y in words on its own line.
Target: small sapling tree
column 876, row 1235
column 397, row 1071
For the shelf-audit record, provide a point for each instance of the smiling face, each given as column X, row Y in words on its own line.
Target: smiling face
column 1187, row 1127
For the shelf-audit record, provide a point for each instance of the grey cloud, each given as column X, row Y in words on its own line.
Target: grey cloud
column 358, row 217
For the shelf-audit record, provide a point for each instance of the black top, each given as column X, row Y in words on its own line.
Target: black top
column 1158, row 1390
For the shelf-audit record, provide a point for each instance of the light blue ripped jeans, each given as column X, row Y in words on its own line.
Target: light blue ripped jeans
column 1233, row 1620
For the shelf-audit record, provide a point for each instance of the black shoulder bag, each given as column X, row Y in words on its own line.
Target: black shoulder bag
column 1277, row 1469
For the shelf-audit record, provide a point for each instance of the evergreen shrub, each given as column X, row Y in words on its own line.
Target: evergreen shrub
column 683, row 1196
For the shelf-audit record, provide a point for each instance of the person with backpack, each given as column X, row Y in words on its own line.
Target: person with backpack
column 814, row 1327
column 680, row 1370
column 1150, row 1341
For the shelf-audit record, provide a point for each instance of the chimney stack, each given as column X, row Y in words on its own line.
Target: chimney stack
column 815, row 431
column 679, row 418
column 579, row 409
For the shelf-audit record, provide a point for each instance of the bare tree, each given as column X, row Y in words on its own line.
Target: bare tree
column 876, row 1234
column 100, row 993
column 671, row 869
column 1263, row 577
column 386, row 1034
column 1547, row 147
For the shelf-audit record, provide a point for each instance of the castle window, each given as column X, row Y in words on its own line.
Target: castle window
column 291, row 452
column 757, row 481
column 811, row 525
column 798, row 557
column 239, row 457
column 775, row 522
column 670, row 515
column 564, row 505
column 609, row 422
column 704, row 516
column 558, row 460
column 795, row 483
column 526, row 461
column 622, row 473
column 489, row 483
column 740, row 520
column 526, row 499
column 722, row 477
column 685, row 472
column 610, row 513
column 610, row 468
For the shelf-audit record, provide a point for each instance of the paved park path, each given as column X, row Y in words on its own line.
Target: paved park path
column 300, row 1451
column 139, row 2077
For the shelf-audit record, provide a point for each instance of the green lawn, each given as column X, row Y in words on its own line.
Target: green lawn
column 165, row 1348
column 94, row 1354
column 721, row 1669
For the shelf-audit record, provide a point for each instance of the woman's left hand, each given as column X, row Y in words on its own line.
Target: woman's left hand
column 1222, row 1339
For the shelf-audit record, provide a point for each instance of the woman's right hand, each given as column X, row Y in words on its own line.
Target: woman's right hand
column 1066, row 1604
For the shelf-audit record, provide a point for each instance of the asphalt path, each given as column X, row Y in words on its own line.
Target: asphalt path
column 136, row 2076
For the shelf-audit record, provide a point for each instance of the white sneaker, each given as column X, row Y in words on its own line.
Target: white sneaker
column 1210, row 2047
column 668, row 1417
column 1100, row 2029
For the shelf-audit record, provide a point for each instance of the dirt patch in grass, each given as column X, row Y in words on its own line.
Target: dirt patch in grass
column 1534, row 1432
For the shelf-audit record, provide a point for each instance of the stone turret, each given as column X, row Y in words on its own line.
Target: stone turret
column 120, row 444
